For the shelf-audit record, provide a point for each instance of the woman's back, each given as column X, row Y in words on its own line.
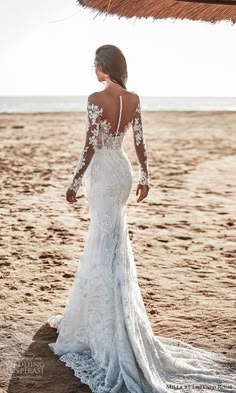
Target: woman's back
column 116, row 104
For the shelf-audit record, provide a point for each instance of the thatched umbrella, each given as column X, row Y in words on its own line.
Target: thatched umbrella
column 209, row 11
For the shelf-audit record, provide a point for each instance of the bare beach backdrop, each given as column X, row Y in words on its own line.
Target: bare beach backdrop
column 183, row 234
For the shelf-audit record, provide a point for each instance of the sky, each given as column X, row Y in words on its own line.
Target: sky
column 47, row 48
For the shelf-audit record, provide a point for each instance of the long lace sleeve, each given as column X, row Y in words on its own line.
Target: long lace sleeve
column 92, row 131
column 140, row 146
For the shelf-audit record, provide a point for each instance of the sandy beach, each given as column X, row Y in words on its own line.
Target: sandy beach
column 183, row 236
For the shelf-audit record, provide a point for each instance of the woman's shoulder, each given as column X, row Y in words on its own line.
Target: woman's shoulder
column 135, row 97
column 94, row 97
column 94, row 102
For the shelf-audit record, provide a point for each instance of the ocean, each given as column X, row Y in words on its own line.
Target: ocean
column 24, row 104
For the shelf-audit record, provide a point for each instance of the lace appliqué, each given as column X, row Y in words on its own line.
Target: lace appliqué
column 77, row 182
column 143, row 179
column 111, row 141
column 140, row 146
column 137, row 127
column 92, row 132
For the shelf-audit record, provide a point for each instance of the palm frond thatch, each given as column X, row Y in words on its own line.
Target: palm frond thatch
column 208, row 11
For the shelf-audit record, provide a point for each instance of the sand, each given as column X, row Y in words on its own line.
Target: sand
column 183, row 236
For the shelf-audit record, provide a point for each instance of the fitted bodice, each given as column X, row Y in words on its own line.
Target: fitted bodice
column 111, row 142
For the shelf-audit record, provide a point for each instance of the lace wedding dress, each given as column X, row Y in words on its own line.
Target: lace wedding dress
column 105, row 335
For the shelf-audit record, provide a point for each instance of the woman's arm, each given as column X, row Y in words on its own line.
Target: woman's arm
column 92, row 131
column 140, row 146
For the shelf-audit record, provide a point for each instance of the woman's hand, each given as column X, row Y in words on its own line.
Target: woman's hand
column 71, row 196
column 142, row 190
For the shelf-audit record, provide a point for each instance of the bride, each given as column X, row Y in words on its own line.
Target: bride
column 105, row 335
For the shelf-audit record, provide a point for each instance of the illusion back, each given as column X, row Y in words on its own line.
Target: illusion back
column 111, row 137
column 108, row 119
column 117, row 111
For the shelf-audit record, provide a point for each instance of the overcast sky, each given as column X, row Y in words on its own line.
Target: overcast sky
column 47, row 48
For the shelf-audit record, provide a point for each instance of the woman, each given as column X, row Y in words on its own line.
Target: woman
column 105, row 335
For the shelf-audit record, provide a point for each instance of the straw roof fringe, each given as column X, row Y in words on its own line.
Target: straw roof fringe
column 202, row 10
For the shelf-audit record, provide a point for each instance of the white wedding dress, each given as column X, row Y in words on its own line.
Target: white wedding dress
column 105, row 335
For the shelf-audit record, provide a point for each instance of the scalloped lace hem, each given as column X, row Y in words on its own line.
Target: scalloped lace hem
column 86, row 369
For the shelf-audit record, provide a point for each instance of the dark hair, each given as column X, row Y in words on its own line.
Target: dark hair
column 112, row 62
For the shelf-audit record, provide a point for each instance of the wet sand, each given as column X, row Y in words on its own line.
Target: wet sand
column 183, row 236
